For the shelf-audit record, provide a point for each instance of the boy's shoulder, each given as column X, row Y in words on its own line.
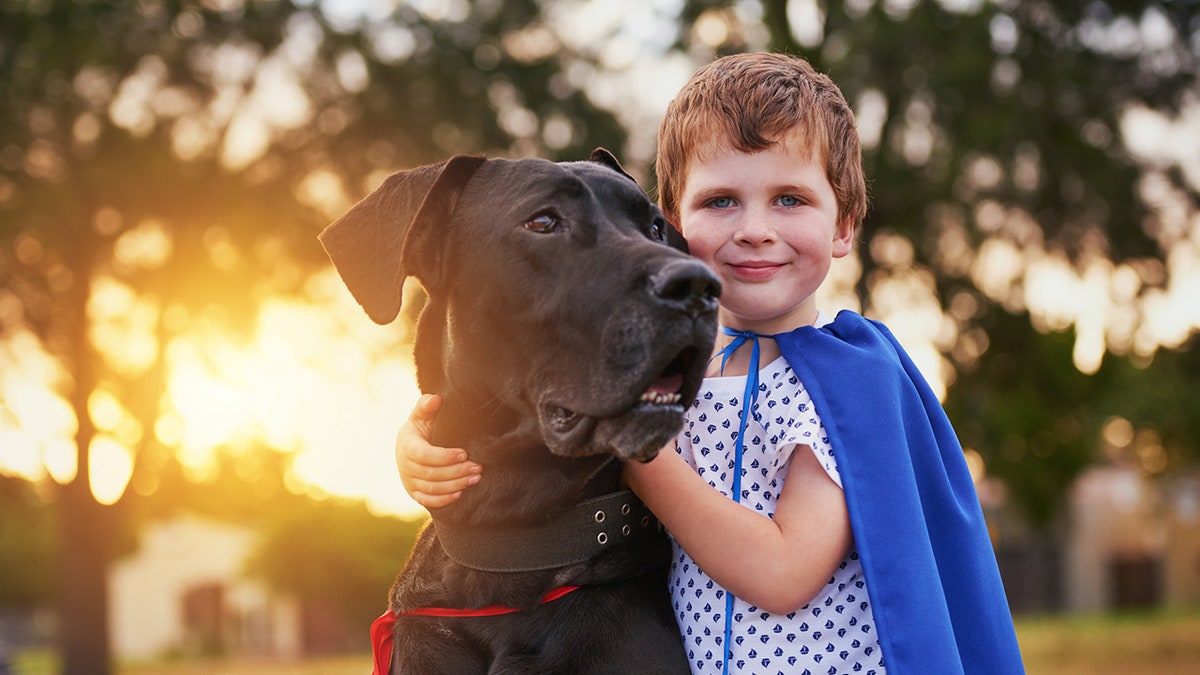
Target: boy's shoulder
column 850, row 352
column 849, row 335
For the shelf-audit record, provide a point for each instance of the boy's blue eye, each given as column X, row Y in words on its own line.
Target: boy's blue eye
column 789, row 201
column 721, row 203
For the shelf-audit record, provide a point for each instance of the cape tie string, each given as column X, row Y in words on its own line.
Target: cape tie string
column 748, row 398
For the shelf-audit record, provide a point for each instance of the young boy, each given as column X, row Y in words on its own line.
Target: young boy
column 843, row 534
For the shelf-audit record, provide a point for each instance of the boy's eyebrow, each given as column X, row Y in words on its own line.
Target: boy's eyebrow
column 722, row 190
column 713, row 191
column 806, row 191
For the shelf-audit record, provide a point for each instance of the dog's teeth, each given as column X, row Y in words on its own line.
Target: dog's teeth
column 661, row 398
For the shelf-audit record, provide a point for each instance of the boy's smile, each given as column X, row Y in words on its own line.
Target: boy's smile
column 767, row 223
column 754, row 270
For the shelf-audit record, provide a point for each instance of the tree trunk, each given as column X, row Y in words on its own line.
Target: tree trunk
column 83, row 594
column 84, row 523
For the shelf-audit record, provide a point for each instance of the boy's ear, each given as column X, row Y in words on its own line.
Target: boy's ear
column 844, row 237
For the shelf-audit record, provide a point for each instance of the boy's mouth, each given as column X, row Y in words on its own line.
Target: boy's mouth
column 754, row 270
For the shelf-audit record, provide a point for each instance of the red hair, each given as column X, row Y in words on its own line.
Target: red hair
column 749, row 102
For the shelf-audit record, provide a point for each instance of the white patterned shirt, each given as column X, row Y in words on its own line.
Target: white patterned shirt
column 832, row 634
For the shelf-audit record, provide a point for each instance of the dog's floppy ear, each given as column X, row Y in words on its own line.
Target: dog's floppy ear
column 675, row 239
column 387, row 236
column 602, row 156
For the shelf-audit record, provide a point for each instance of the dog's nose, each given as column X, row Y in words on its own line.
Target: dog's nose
column 687, row 285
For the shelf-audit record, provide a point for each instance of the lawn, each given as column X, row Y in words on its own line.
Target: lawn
column 1124, row 644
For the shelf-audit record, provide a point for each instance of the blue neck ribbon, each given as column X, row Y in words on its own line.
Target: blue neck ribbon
column 748, row 399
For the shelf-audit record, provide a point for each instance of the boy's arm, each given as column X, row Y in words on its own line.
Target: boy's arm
column 777, row 564
column 431, row 475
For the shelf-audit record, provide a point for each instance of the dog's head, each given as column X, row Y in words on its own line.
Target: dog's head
column 557, row 292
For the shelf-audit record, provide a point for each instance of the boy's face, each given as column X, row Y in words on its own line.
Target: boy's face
column 767, row 223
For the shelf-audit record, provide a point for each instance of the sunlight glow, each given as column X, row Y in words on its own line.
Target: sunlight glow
column 147, row 246
column 324, row 191
column 60, row 459
column 1111, row 308
column 277, row 100
column 123, row 326
column 906, row 300
column 317, row 380
column 34, row 420
column 110, row 465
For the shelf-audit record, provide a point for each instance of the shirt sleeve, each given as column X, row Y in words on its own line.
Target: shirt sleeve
column 799, row 425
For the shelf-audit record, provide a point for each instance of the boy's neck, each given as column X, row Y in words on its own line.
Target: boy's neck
column 738, row 363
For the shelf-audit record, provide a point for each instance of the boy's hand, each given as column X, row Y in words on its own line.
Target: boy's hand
column 432, row 476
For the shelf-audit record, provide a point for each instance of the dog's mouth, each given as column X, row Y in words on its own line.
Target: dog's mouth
column 667, row 388
column 663, row 395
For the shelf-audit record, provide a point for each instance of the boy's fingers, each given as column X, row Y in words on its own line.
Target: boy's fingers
column 431, row 475
column 439, row 488
column 431, row 502
column 416, row 458
column 414, row 453
column 417, row 452
column 461, row 474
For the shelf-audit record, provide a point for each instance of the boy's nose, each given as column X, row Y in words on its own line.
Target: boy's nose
column 754, row 229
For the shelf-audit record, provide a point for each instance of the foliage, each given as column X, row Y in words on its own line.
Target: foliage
column 335, row 553
column 27, row 545
column 1030, row 411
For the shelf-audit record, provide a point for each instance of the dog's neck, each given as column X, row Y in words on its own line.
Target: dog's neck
column 523, row 482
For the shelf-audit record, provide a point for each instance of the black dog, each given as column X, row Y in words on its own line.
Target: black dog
column 564, row 328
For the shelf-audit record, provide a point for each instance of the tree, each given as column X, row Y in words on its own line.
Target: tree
column 186, row 155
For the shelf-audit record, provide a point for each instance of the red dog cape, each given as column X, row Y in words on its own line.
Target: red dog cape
column 936, row 594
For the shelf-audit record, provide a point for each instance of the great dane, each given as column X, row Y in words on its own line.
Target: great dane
column 565, row 328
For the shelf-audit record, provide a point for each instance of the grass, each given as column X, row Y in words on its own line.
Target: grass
column 1162, row 643
column 346, row 665
column 45, row 663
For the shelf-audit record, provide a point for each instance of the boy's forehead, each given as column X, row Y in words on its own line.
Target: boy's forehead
column 796, row 140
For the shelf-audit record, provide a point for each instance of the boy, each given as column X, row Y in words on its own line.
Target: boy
column 843, row 533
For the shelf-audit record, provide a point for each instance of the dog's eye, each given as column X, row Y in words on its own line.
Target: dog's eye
column 658, row 229
column 544, row 223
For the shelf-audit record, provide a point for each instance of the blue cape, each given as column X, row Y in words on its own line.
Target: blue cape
column 935, row 590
